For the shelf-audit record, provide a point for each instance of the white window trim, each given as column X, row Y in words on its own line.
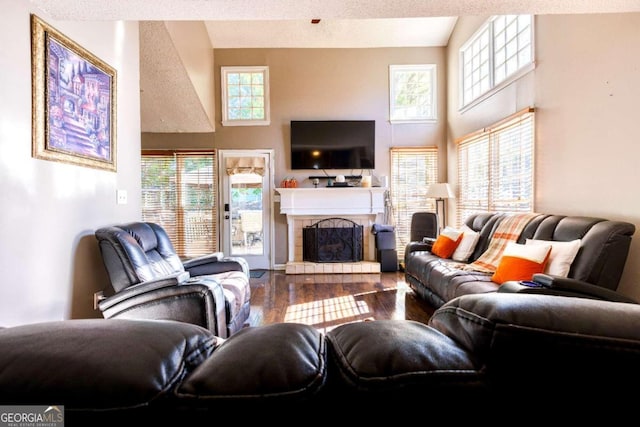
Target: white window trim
column 223, row 83
column 506, row 82
column 432, row 68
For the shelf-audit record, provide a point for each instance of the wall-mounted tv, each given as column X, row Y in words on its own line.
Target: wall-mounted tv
column 333, row 144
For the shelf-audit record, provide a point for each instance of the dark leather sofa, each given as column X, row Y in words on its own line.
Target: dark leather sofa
column 595, row 272
column 480, row 356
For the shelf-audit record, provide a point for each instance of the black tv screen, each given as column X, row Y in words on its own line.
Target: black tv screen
column 333, row 144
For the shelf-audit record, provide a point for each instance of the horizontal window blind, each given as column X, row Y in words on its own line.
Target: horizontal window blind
column 495, row 167
column 413, row 169
column 179, row 191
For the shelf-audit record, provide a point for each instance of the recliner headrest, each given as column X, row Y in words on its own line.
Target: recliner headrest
column 143, row 233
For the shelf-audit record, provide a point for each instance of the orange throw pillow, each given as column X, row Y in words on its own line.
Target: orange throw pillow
column 447, row 242
column 521, row 262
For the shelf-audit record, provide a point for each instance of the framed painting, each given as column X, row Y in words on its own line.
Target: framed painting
column 74, row 101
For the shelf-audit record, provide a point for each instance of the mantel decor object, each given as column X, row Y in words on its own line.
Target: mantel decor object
column 74, row 101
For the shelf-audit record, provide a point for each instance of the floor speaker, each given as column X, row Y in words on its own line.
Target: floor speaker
column 388, row 259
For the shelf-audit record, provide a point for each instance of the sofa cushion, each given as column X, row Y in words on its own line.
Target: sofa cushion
column 446, row 279
column 467, row 244
column 447, row 242
column 281, row 361
column 400, row 366
column 521, row 262
column 561, row 256
column 98, row 364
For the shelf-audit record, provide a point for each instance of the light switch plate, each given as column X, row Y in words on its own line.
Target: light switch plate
column 122, row 197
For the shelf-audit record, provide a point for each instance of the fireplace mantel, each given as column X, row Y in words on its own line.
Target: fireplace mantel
column 365, row 205
column 332, row 201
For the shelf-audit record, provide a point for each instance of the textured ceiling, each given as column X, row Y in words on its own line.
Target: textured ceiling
column 270, row 23
column 204, row 10
column 163, row 81
column 332, row 33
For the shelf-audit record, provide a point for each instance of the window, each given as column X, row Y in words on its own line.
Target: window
column 499, row 52
column 413, row 169
column 179, row 193
column 245, row 96
column 413, row 93
column 495, row 167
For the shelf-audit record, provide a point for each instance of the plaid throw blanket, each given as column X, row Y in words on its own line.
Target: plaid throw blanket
column 507, row 231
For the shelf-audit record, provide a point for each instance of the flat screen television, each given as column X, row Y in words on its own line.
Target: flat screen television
column 333, row 144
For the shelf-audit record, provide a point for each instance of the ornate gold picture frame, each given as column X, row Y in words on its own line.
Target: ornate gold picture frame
column 74, row 101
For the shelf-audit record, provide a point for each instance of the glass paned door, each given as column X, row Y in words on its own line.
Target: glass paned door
column 246, row 216
column 246, row 211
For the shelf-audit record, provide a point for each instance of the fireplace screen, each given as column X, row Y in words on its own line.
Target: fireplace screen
column 332, row 240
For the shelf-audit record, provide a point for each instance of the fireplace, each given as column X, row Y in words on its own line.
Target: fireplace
column 332, row 240
column 305, row 207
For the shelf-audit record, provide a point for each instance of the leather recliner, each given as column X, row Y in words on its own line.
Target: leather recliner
column 423, row 224
column 423, row 232
column 150, row 281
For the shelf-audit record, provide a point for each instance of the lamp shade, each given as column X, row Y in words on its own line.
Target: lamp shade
column 440, row 191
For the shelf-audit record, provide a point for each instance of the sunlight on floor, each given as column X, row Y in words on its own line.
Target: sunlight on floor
column 328, row 313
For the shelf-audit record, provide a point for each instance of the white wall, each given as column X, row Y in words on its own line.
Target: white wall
column 192, row 43
column 49, row 260
column 585, row 89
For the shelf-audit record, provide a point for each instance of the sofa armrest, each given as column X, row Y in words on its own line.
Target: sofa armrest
column 566, row 346
column 143, row 288
column 199, row 300
column 425, row 245
column 203, row 260
column 564, row 286
column 215, row 263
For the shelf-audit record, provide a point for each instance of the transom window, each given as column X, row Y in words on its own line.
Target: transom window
column 413, row 93
column 495, row 167
column 498, row 53
column 245, row 96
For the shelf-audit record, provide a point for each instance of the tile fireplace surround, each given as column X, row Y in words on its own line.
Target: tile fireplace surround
column 306, row 206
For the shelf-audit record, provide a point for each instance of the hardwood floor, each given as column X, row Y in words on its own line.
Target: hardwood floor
column 328, row 300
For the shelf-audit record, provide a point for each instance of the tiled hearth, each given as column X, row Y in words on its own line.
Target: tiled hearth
column 302, row 267
column 305, row 206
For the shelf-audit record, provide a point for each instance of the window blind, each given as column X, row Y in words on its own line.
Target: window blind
column 495, row 167
column 179, row 191
column 413, row 169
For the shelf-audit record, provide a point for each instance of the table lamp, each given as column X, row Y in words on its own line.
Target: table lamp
column 440, row 192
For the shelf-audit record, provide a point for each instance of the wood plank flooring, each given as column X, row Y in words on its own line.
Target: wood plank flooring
column 328, row 300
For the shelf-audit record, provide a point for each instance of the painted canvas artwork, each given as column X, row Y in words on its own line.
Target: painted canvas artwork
column 78, row 103
column 74, row 118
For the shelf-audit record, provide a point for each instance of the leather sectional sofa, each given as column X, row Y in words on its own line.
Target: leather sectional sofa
column 478, row 356
column 487, row 356
column 594, row 272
